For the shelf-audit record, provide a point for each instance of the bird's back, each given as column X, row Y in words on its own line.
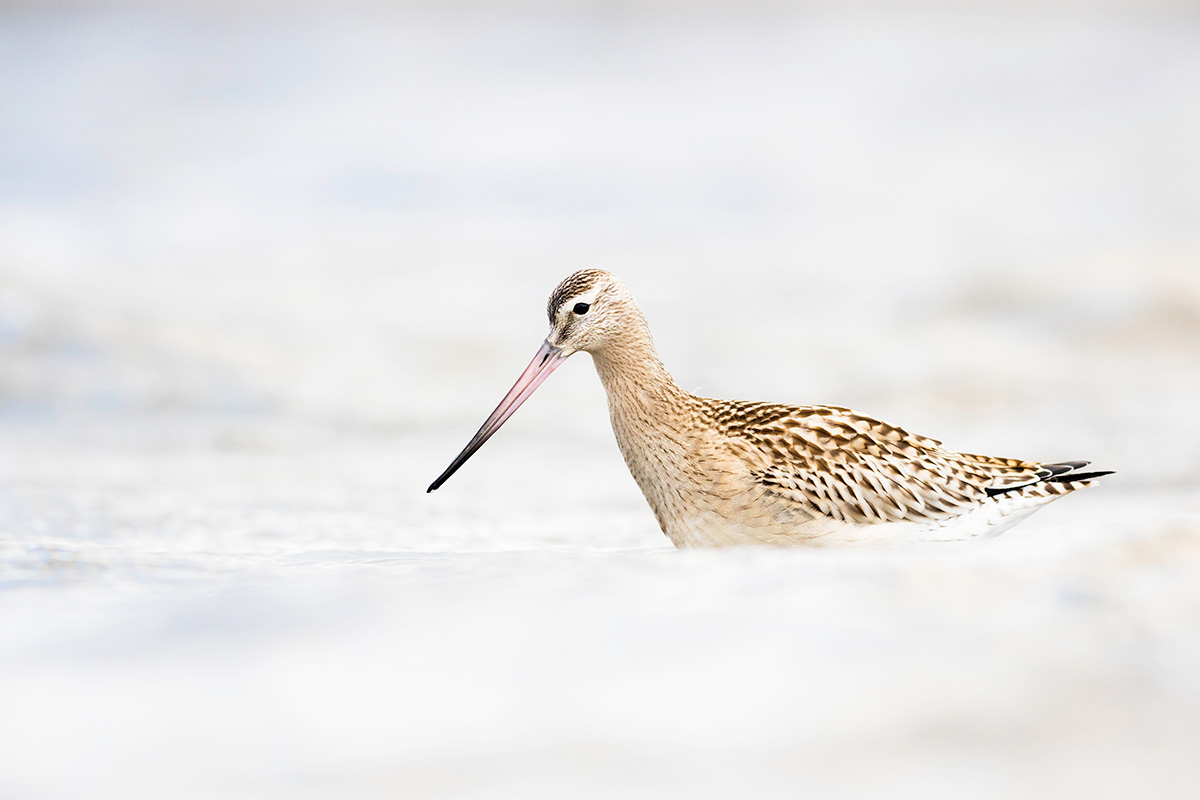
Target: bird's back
column 766, row 472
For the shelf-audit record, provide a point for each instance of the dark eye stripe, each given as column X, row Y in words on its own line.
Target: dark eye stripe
column 581, row 308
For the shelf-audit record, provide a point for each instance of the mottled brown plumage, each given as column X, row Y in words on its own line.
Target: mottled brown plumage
column 722, row 472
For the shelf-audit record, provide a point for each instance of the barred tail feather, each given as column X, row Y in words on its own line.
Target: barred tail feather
column 1057, row 478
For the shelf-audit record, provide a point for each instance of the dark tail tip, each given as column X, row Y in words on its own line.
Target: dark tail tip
column 1072, row 477
column 1060, row 472
column 1064, row 466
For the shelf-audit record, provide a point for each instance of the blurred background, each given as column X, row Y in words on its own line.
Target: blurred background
column 264, row 268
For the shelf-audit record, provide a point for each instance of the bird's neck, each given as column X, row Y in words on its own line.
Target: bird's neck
column 651, row 418
column 636, row 381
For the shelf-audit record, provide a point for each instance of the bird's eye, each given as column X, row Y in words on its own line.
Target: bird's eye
column 581, row 308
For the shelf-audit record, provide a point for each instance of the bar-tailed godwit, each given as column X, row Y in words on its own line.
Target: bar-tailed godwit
column 726, row 472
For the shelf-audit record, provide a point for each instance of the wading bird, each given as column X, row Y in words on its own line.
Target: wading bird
column 727, row 472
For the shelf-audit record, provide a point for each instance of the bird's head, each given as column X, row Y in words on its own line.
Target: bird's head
column 588, row 311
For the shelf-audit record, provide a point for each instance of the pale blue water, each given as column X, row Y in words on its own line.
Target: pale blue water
column 263, row 273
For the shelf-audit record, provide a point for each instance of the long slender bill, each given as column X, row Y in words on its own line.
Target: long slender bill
column 546, row 361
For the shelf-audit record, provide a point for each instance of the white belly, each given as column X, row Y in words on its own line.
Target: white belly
column 711, row 530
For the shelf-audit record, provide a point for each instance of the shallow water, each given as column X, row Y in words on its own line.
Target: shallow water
column 263, row 274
